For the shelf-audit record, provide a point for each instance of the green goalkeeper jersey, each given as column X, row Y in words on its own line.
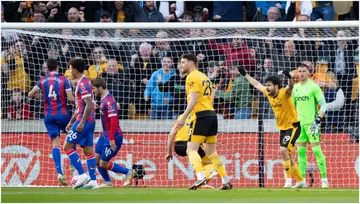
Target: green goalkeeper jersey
column 306, row 98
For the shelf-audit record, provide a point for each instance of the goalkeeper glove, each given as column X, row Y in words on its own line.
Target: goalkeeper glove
column 242, row 70
column 314, row 128
column 287, row 74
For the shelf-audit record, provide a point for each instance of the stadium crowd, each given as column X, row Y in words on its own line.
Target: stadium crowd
column 144, row 76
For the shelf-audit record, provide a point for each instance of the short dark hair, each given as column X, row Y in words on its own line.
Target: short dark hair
column 78, row 64
column 275, row 80
column 188, row 13
column 190, row 57
column 303, row 65
column 99, row 82
column 51, row 64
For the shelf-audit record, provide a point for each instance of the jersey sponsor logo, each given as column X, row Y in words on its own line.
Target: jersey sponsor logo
column 19, row 165
column 277, row 105
column 302, row 98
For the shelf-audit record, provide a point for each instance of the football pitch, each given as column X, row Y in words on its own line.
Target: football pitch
column 161, row 195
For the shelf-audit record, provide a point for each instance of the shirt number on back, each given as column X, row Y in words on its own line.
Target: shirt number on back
column 52, row 93
column 207, row 91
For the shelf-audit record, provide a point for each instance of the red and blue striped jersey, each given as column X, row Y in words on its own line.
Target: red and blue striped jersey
column 53, row 88
column 83, row 90
column 109, row 116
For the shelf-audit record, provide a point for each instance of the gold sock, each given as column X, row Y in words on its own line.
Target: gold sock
column 195, row 161
column 296, row 173
column 218, row 164
column 208, row 169
column 287, row 167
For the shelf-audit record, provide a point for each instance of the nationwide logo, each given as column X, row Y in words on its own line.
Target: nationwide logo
column 19, row 165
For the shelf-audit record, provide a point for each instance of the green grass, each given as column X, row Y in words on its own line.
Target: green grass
column 157, row 195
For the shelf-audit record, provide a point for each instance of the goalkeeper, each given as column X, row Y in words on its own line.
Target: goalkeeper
column 286, row 120
column 307, row 95
column 180, row 137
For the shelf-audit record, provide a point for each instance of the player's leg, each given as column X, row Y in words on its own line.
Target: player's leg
column 54, row 133
column 285, row 136
column 72, row 139
column 86, row 143
column 320, row 159
column 208, row 167
column 103, row 172
column 301, row 148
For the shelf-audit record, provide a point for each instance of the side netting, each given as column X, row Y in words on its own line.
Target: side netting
column 141, row 67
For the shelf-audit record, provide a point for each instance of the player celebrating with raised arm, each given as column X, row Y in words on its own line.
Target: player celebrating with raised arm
column 179, row 137
column 111, row 138
column 286, row 120
column 203, row 127
column 81, row 126
column 307, row 95
column 54, row 87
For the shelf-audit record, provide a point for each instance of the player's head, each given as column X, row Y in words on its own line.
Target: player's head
column 303, row 72
column 99, row 86
column 273, row 84
column 51, row 65
column 188, row 62
column 77, row 67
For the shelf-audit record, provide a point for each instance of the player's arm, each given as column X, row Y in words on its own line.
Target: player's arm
column 68, row 91
column 319, row 96
column 171, row 138
column 251, row 80
column 34, row 92
column 87, row 110
column 290, row 85
column 193, row 100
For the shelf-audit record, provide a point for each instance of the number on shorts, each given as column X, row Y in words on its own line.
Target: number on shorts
column 72, row 135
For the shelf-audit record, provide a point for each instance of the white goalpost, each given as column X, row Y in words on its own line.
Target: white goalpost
column 130, row 55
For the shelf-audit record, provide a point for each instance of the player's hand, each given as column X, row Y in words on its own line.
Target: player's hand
column 68, row 127
column 286, row 73
column 113, row 145
column 314, row 128
column 80, row 127
column 180, row 123
column 169, row 157
column 242, row 70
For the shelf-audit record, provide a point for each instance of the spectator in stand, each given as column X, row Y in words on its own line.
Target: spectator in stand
column 291, row 57
column 237, row 50
column 19, row 109
column 26, row 10
column 165, row 48
column 239, row 93
column 187, row 17
column 74, row 16
column 323, row 10
column 171, row 11
column 274, row 13
column 161, row 107
column 119, row 86
column 228, row 11
column 140, row 72
column 56, row 12
column 200, row 7
column 302, row 8
column 2, row 15
column 121, row 12
column 148, row 13
column 176, row 87
column 264, row 6
column 87, row 9
column 39, row 17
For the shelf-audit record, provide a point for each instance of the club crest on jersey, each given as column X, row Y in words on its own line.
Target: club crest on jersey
column 307, row 90
column 191, row 83
column 109, row 106
column 82, row 87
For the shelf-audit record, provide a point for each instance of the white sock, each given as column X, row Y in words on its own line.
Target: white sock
column 225, row 180
column 288, row 180
column 324, row 180
column 200, row 176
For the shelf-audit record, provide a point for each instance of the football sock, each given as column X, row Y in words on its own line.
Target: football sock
column 195, row 161
column 117, row 168
column 296, row 173
column 91, row 164
column 75, row 161
column 320, row 159
column 302, row 160
column 218, row 164
column 104, row 173
column 208, row 169
column 57, row 159
column 287, row 168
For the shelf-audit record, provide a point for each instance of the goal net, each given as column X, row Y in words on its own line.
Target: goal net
column 139, row 63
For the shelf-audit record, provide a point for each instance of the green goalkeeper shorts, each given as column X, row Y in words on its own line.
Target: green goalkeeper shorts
column 307, row 136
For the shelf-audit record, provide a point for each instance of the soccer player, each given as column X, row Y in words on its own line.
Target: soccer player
column 81, row 126
column 286, row 120
column 307, row 95
column 179, row 138
column 111, row 138
column 54, row 87
column 203, row 127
